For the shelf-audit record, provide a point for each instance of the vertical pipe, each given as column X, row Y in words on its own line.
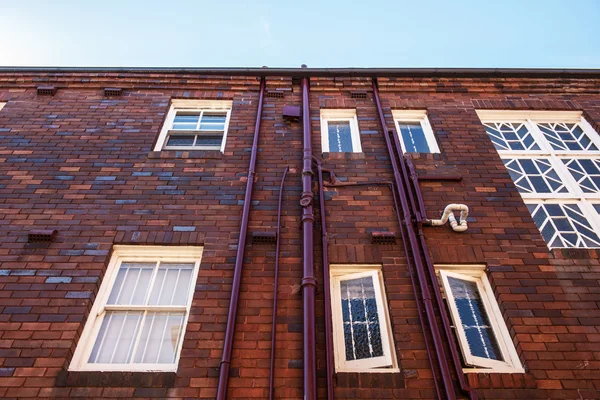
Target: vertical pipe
column 429, row 310
column 275, row 284
column 326, row 286
column 309, row 282
column 415, row 181
column 239, row 260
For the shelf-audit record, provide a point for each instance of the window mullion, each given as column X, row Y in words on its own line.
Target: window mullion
column 568, row 180
column 539, row 137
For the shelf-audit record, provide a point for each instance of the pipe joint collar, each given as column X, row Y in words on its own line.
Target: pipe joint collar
column 309, row 281
column 306, row 199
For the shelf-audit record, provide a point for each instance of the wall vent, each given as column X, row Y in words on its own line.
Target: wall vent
column 358, row 95
column 113, row 92
column 383, row 237
column 46, row 90
column 264, row 237
column 274, row 94
column 41, row 235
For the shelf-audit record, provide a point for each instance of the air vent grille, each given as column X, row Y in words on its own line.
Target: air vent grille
column 46, row 90
column 113, row 92
column 383, row 237
column 275, row 94
column 264, row 237
column 41, row 235
column 358, row 95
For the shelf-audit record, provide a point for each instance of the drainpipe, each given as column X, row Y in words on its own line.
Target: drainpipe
column 275, row 285
column 414, row 245
column 326, row 285
column 239, row 260
column 309, row 282
column 438, row 295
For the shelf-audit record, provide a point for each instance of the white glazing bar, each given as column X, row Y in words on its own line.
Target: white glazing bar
column 112, row 356
column 138, row 338
column 162, row 338
column 130, row 350
column 351, row 322
column 175, row 287
column 103, row 338
column 367, row 325
column 122, row 284
column 137, row 280
column 142, row 359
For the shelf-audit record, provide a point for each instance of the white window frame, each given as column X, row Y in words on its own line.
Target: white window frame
column 476, row 273
column 419, row 116
column 574, row 193
column 184, row 254
column 345, row 272
column 193, row 106
column 2, row 105
column 345, row 115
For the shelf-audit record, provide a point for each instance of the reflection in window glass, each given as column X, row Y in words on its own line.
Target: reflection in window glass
column 563, row 225
column 413, row 137
column 340, row 136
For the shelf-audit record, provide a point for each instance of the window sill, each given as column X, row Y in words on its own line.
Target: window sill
column 343, row 156
column 374, row 379
column 115, row 379
column 170, row 154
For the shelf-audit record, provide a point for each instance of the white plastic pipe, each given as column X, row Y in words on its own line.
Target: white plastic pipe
column 457, row 226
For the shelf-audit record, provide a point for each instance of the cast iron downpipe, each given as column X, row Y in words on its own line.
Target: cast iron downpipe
column 239, row 260
column 392, row 188
column 275, row 285
column 309, row 282
column 438, row 295
column 414, row 244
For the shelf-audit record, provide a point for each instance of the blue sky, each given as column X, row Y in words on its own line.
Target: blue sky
column 223, row 33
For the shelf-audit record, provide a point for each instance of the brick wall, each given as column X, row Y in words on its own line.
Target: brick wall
column 83, row 164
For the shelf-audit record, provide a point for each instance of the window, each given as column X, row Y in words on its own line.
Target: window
column 195, row 125
column 482, row 335
column 138, row 320
column 361, row 329
column 554, row 161
column 414, row 131
column 339, row 131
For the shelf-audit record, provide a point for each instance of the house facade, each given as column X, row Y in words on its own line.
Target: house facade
column 299, row 233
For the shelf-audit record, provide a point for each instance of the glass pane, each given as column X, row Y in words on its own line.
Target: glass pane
column 172, row 284
column 116, row 337
column 340, row 136
column 213, row 121
column 160, row 338
column 474, row 319
column 511, row 136
column 180, row 140
column 213, row 141
column 566, row 137
column 186, row 121
column 413, row 138
column 132, row 283
column 564, row 225
column 362, row 333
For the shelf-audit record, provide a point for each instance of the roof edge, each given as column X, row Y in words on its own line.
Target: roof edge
column 329, row 72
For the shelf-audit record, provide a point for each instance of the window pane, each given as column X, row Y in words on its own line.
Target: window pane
column 186, row 121
column 340, row 136
column 116, row 337
column 132, row 283
column 413, row 138
column 213, row 141
column 586, row 173
column 474, row 319
column 534, row 176
column 564, row 225
column 566, row 137
column 180, row 140
column 160, row 338
column 362, row 334
column 172, row 284
column 213, row 121
column 510, row 136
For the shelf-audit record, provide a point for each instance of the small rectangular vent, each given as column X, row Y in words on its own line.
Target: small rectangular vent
column 383, row 237
column 46, row 90
column 113, row 92
column 264, row 237
column 41, row 235
column 358, row 95
column 273, row 94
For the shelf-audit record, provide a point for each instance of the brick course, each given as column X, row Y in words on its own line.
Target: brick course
column 84, row 164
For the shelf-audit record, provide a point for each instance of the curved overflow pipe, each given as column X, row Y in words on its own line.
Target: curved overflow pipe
column 239, row 260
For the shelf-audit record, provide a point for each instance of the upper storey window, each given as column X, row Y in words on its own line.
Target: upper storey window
column 195, row 125
column 339, row 131
column 554, row 161
column 414, row 130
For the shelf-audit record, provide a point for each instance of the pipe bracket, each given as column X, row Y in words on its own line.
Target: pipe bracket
column 306, row 199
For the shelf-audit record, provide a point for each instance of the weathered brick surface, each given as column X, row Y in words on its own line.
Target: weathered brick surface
column 84, row 164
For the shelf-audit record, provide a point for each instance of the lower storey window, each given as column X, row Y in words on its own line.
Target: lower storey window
column 482, row 335
column 138, row 320
column 360, row 320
